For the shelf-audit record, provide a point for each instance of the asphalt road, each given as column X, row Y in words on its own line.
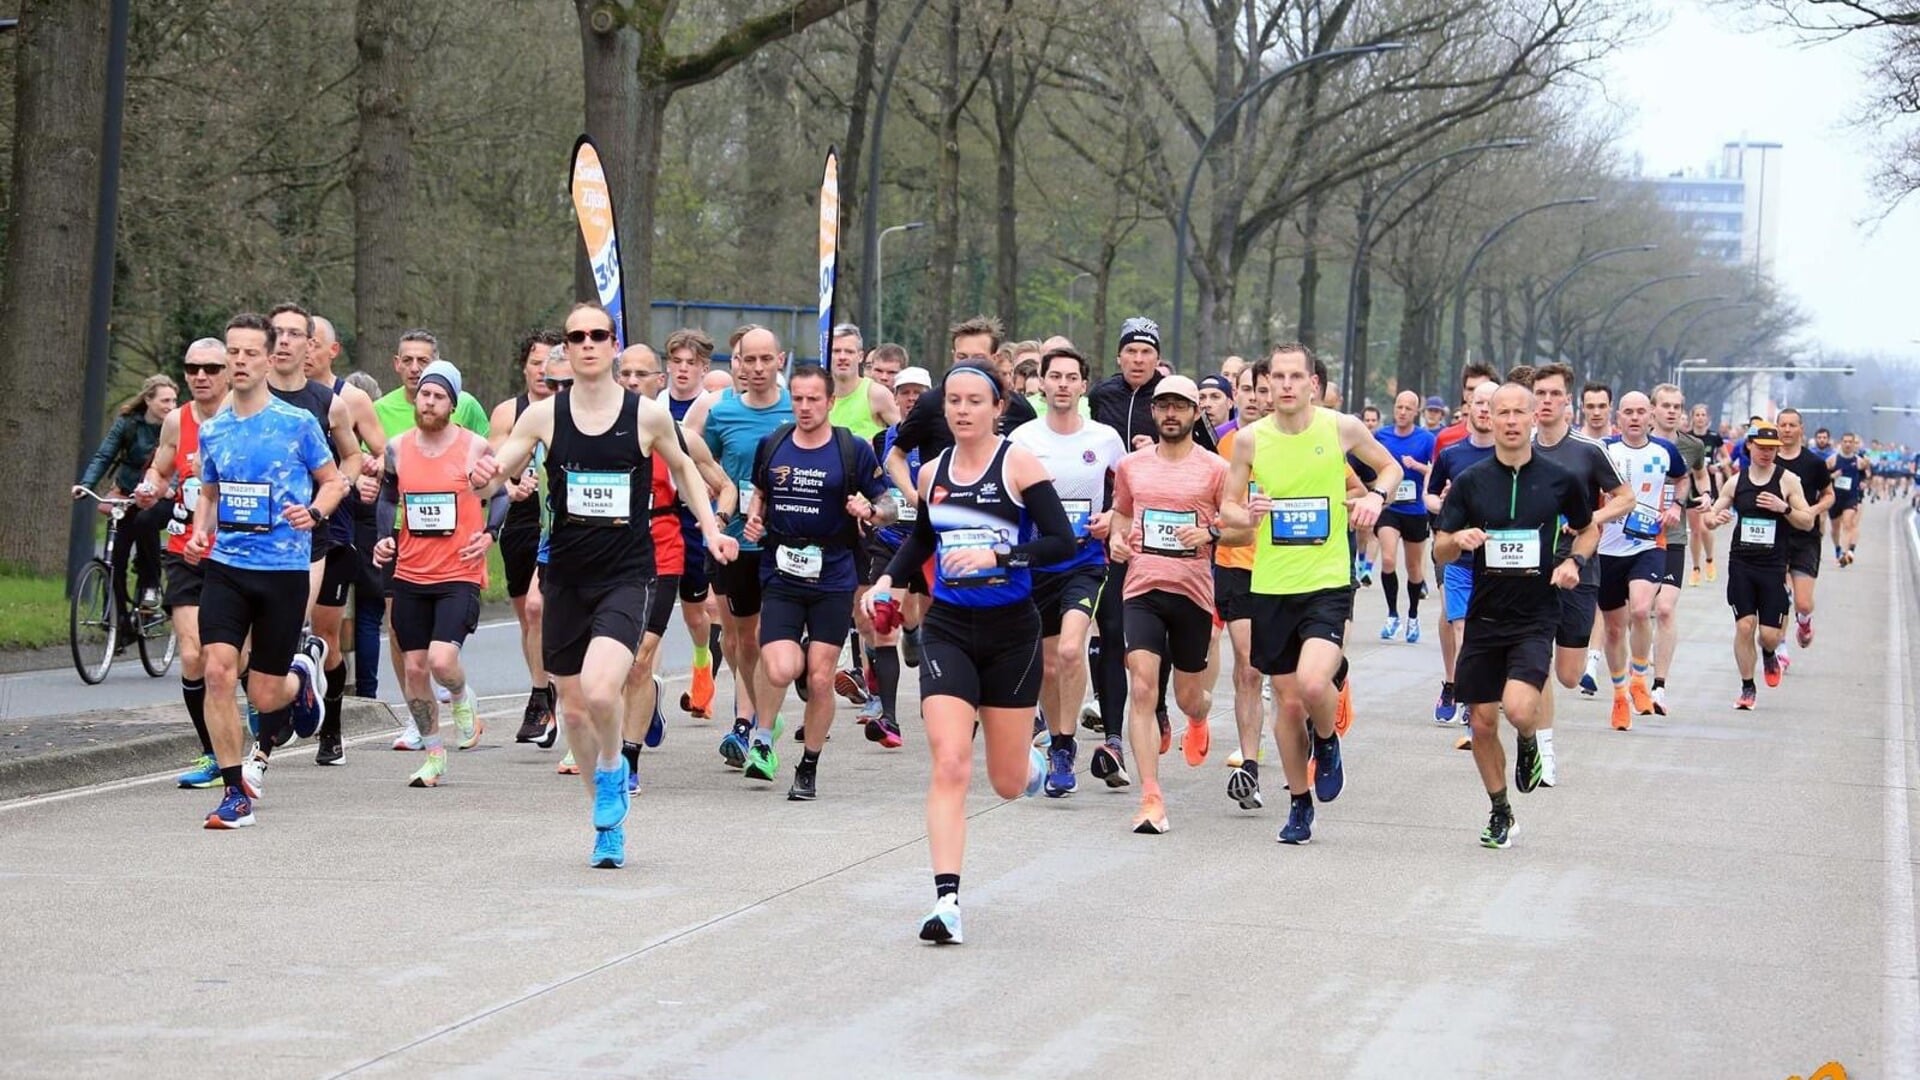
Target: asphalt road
column 1714, row 894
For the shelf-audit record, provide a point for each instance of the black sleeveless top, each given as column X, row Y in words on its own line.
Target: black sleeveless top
column 598, row 488
column 318, row 400
column 524, row 514
column 978, row 514
column 1749, row 527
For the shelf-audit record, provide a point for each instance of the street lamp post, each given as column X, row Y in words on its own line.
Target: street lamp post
column 1351, row 355
column 1606, row 318
column 1546, row 301
column 879, row 276
column 870, row 213
column 1473, row 261
column 1193, row 175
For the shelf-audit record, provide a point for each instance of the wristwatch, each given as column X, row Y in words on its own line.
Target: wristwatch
column 318, row 517
column 1386, row 497
column 1214, row 531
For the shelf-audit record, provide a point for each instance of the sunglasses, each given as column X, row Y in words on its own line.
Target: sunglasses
column 558, row 384
column 204, row 369
column 575, row 337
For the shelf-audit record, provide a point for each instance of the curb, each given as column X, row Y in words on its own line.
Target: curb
column 81, row 766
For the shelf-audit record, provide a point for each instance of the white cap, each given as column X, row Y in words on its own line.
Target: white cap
column 913, row 376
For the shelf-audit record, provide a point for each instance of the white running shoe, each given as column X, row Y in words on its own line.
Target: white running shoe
column 409, row 737
column 1549, row 775
column 942, row 924
column 1660, row 701
column 253, row 776
column 467, row 721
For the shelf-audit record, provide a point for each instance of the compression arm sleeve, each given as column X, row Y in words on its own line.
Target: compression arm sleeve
column 917, row 548
column 1055, row 542
column 386, row 510
column 497, row 511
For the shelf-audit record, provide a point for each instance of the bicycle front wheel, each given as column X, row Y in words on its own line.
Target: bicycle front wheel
column 92, row 629
column 157, row 643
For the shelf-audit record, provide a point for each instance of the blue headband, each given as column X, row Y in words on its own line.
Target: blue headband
column 993, row 378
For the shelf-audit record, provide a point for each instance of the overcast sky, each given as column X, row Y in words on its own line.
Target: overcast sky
column 1708, row 77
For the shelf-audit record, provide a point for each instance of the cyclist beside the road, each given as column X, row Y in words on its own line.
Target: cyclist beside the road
column 173, row 480
column 125, row 453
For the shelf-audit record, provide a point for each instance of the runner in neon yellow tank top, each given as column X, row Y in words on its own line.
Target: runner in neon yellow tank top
column 1303, row 563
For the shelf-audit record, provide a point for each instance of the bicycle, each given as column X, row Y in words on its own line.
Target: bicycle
column 96, row 616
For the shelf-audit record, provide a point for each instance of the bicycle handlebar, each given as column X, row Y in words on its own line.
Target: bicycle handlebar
column 106, row 500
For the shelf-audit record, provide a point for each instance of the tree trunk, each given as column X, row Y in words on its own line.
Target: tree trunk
column 1487, row 353
column 853, row 191
column 946, row 195
column 1411, row 361
column 382, row 178
column 1362, row 310
column 59, row 73
column 1102, row 284
column 1310, row 274
column 1006, row 249
column 611, row 61
column 1268, row 330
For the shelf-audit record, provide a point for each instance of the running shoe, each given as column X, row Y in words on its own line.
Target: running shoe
column 1299, row 826
column 1622, row 712
column 567, row 766
column 1330, row 776
column 1786, row 663
column 552, row 736
column 1152, row 818
column 610, row 799
column 1527, row 769
column 849, row 684
column 1549, row 773
column 609, row 848
column 733, row 749
column 1243, row 787
column 1499, row 832
column 429, row 774
column 1060, row 779
column 1712, row 574
column 1392, row 628
column 1110, row 764
column 1588, row 685
column 1694, row 578
column 1413, row 631
column 1803, row 633
column 1236, row 759
column 253, row 776
column 890, row 733
column 1198, row 741
column 1090, row 715
column 1343, row 709
column 409, row 737
column 698, row 701
column 762, row 760
column 876, row 732
column 804, row 787
column 1036, row 771
column 1445, row 708
column 1746, row 699
column 467, row 721
column 1166, row 730
column 1041, row 736
column 942, row 924
column 307, row 708
column 234, row 812
column 332, row 750
column 872, row 710
column 657, row 727
column 1771, row 669
column 1366, row 574
column 533, row 719
column 633, row 781
column 1637, row 694
column 1659, row 696
column 203, row 773
column 910, row 647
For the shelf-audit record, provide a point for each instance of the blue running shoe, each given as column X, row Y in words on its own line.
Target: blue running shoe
column 1299, row 826
column 1036, row 771
column 235, row 811
column 733, row 748
column 1328, row 776
column 1413, row 631
column 204, row 773
column 610, row 800
column 657, row 728
column 1391, row 629
column 633, row 782
column 1587, row 685
column 1444, row 708
column 609, row 848
column 1060, row 781
column 307, row 710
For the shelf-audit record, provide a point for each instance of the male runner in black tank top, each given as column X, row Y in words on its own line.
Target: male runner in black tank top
column 1762, row 501
column 600, row 555
column 520, row 537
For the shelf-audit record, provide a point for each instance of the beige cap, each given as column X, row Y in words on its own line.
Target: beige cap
column 913, row 376
column 1177, row 386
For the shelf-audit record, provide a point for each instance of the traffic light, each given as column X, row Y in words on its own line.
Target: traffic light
column 1789, row 371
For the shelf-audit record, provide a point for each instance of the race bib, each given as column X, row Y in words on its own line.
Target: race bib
column 183, row 507
column 1642, row 524
column 1757, row 532
column 1512, row 551
column 1159, row 532
column 1406, row 491
column 803, row 563
column 430, row 513
column 909, row 513
column 1078, row 512
column 745, row 489
column 964, row 539
column 1842, row 482
column 246, row 508
column 1300, row 521
column 599, row 498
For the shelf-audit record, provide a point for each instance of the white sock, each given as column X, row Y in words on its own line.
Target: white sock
column 1544, row 737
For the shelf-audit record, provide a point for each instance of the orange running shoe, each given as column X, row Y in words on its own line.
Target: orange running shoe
column 1166, row 733
column 1712, row 575
column 566, row 766
column 1694, row 580
column 1637, row 693
column 1152, row 818
column 1343, row 710
column 1199, row 739
column 1622, row 712
column 699, row 701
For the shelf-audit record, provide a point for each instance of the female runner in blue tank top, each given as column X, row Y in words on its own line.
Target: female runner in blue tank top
column 989, row 513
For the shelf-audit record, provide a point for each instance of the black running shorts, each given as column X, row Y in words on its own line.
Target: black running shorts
column 790, row 612
column 1757, row 591
column 271, row 605
column 423, row 614
column 520, row 552
column 738, row 582
column 1282, row 624
column 1493, row 654
column 1056, row 594
column 1170, row 626
column 1577, row 607
column 574, row 615
column 987, row 657
column 183, row 582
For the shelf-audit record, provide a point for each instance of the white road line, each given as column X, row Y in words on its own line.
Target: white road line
column 1901, row 1007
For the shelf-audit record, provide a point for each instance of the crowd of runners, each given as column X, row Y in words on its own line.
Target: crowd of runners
column 1055, row 553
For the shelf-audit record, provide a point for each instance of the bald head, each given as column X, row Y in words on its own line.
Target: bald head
column 1634, row 415
column 1509, row 411
column 1406, row 411
column 323, row 347
column 638, row 369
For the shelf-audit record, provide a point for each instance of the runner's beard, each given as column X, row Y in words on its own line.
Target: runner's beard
column 430, row 424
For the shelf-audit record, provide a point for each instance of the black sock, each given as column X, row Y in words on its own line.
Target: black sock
column 1746, row 684
column 1251, row 767
column 194, row 693
column 1160, row 704
column 1499, row 799
column 336, row 692
column 946, row 885
column 1303, row 797
column 1340, row 676
column 630, row 751
column 1415, row 590
column 853, row 649
column 809, row 758
column 886, row 672
column 553, row 697
column 230, row 776
column 1390, row 584
column 713, row 644
column 276, row 729
column 1766, row 654
column 1061, row 742
column 742, row 726
column 1659, row 683
column 1446, row 688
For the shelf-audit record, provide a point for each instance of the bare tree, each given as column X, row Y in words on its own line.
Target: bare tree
column 382, row 172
